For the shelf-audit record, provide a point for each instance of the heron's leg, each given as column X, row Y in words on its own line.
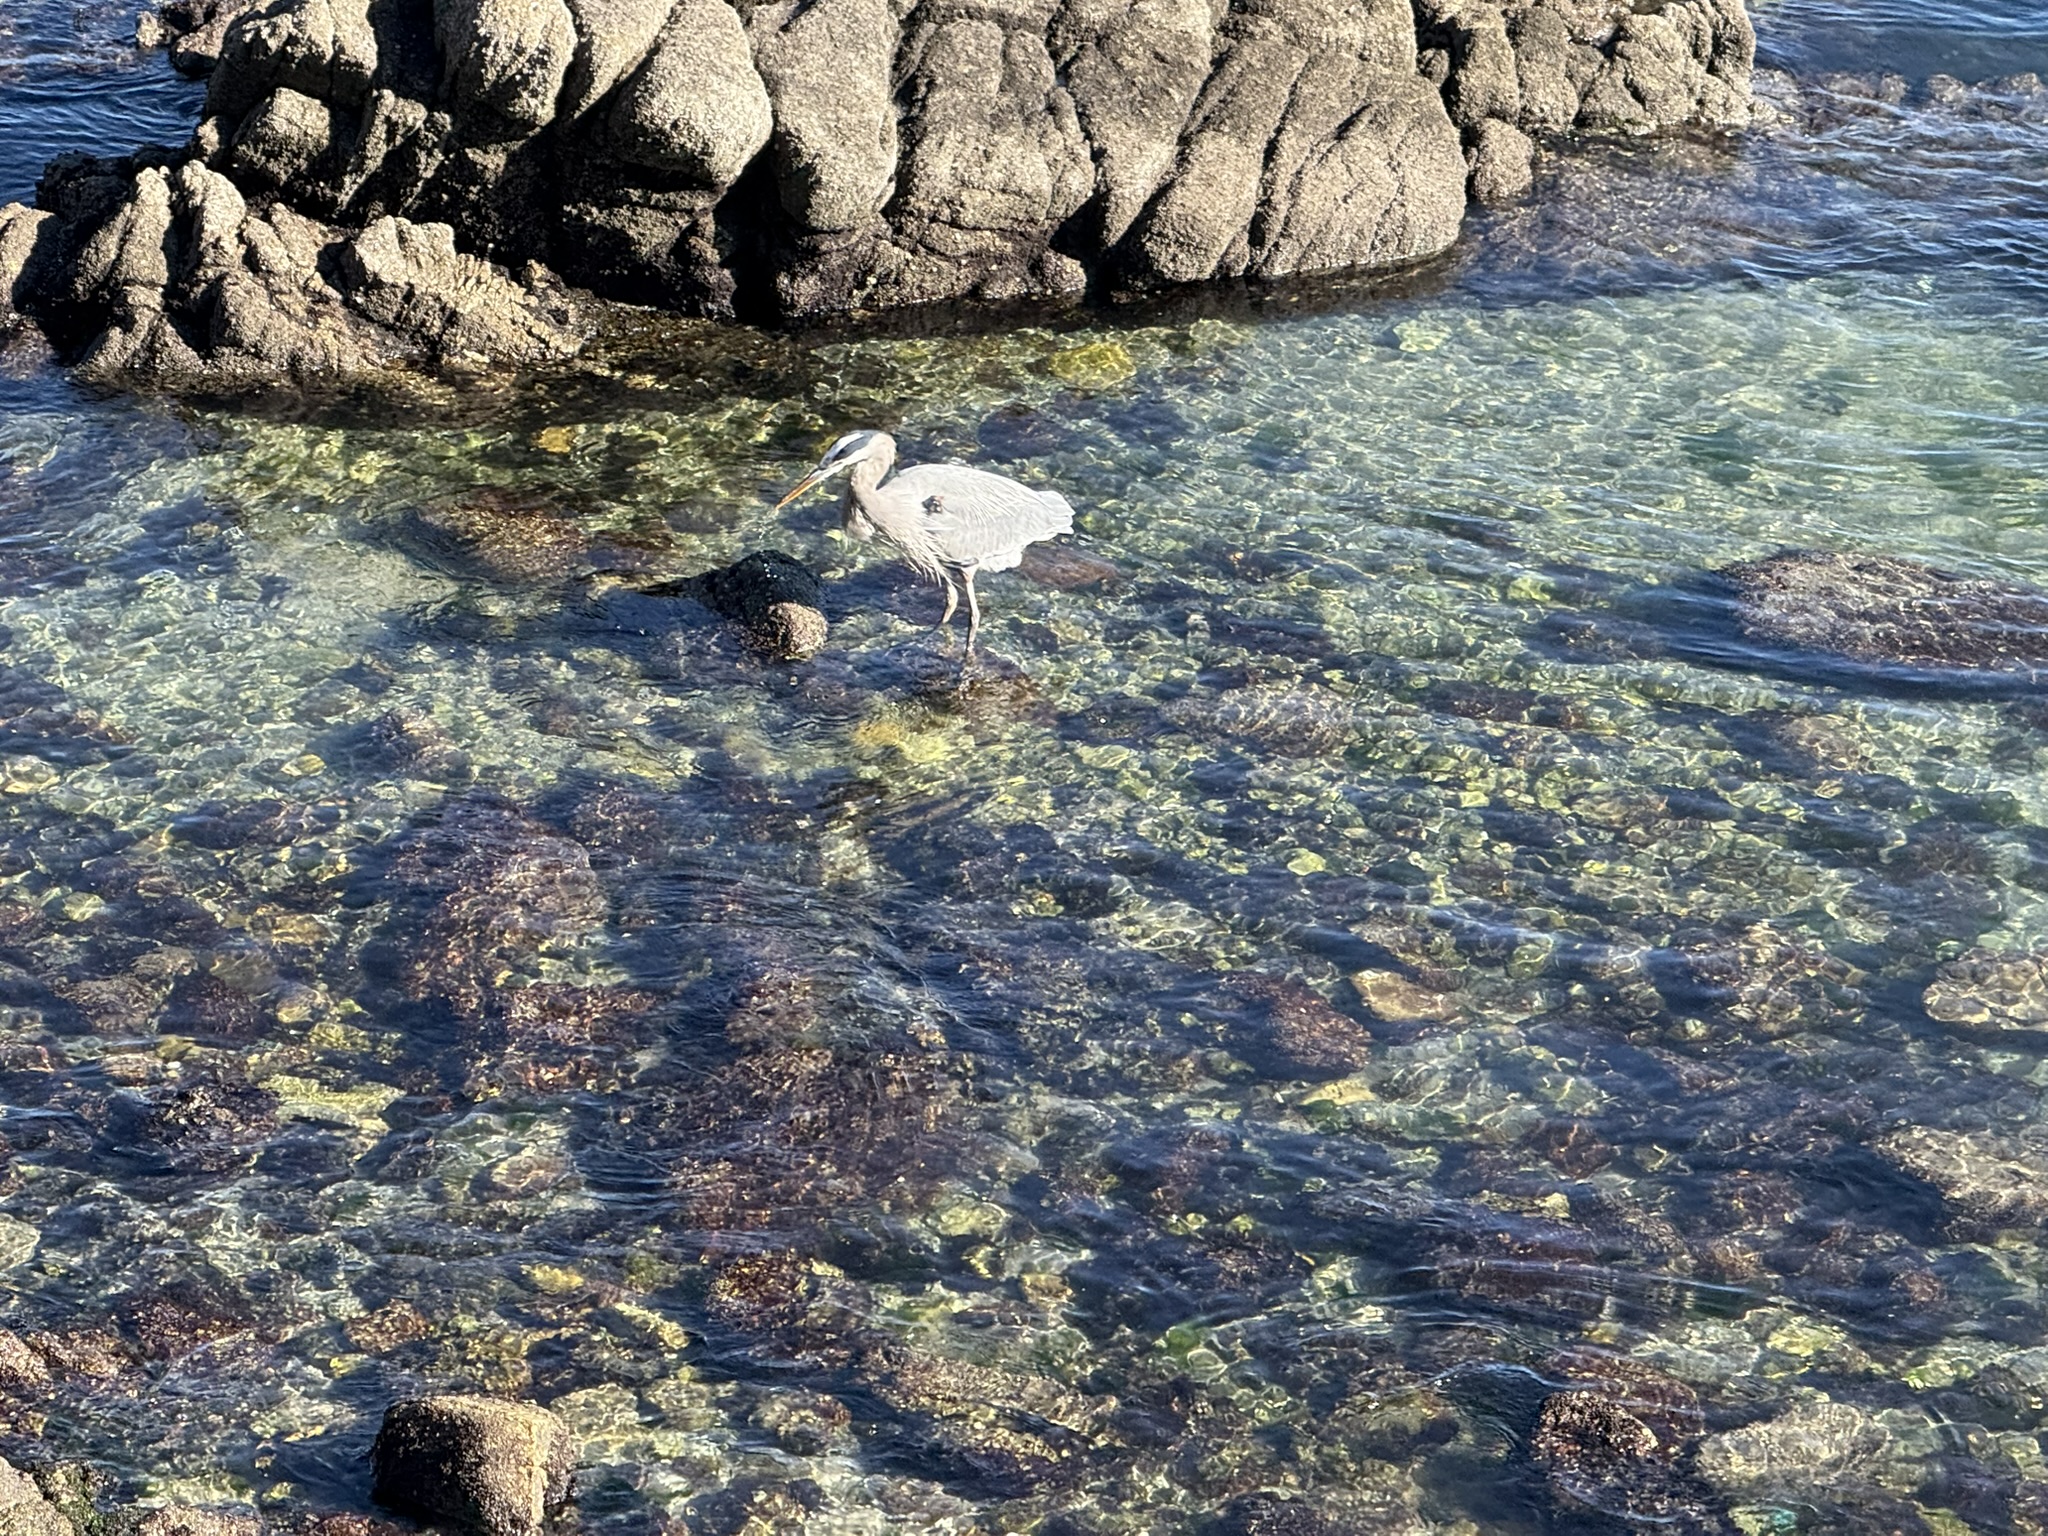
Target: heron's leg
column 973, row 609
column 952, row 601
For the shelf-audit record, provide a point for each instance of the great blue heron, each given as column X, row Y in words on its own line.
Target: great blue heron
column 946, row 520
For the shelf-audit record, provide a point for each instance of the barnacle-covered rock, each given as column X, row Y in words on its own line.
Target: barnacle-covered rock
column 776, row 602
column 23, row 1509
column 1613, row 1440
column 1992, row 990
column 484, row 1465
column 1886, row 611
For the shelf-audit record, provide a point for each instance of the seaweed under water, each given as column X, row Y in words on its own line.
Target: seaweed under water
column 1391, row 999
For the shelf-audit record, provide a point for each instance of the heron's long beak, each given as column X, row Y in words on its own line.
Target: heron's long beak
column 813, row 478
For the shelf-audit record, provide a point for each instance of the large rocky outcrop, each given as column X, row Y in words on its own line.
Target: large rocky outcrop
column 387, row 179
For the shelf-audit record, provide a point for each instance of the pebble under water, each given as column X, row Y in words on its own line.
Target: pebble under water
column 1399, row 1004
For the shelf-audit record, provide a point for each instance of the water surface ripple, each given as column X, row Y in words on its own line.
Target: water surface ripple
column 1387, row 1011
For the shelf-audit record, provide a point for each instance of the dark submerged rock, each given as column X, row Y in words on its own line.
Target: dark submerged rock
column 1613, row 1440
column 789, row 1137
column 400, row 741
column 1882, row 611
column 503, row 535
column 479, row 894
column 205, row 1127
column 1067, row 569
column 486, row 1466
column 1269, row 1514
column 172, row 1320
column 1287, row 1030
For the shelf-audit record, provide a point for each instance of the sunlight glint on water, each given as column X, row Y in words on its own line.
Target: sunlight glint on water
column 1286, row 1010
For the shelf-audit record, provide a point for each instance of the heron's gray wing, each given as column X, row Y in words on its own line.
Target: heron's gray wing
column 982, row 519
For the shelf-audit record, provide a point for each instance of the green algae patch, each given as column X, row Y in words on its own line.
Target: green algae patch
column 302, row 1098
column 1093, row 365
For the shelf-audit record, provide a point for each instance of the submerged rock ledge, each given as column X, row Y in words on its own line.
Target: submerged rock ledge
column 398, row 180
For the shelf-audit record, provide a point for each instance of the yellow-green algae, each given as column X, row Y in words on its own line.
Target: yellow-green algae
column 1639, row 938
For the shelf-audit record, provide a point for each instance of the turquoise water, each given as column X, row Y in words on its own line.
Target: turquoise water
column 1391, row 951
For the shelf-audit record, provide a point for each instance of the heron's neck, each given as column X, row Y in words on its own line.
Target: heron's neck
column 867, row 474
column 862, row 481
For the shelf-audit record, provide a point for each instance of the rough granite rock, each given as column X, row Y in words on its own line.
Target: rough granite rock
column 23, row 1509
column 695, row 109
column 484, row 1465
column 1502, row 160
column 165, row 272
column 363, row 163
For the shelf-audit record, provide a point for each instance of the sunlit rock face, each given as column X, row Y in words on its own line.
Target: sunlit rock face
column 381, row 181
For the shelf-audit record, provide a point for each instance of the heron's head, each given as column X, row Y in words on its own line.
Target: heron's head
column 851, row 451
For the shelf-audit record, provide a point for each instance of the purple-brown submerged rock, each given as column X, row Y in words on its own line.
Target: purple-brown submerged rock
column 397, row 180
column 482, row 1464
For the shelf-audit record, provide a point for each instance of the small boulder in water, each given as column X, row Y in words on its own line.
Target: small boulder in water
column 483, row 1465
column 777, row 603
column 1885, row 611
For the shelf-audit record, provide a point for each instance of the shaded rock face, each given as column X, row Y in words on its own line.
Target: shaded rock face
column 1881, row 611
column 482, row 1465
column 359, row 157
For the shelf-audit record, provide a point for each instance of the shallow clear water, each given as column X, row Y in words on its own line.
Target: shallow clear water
column 1393, row 949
